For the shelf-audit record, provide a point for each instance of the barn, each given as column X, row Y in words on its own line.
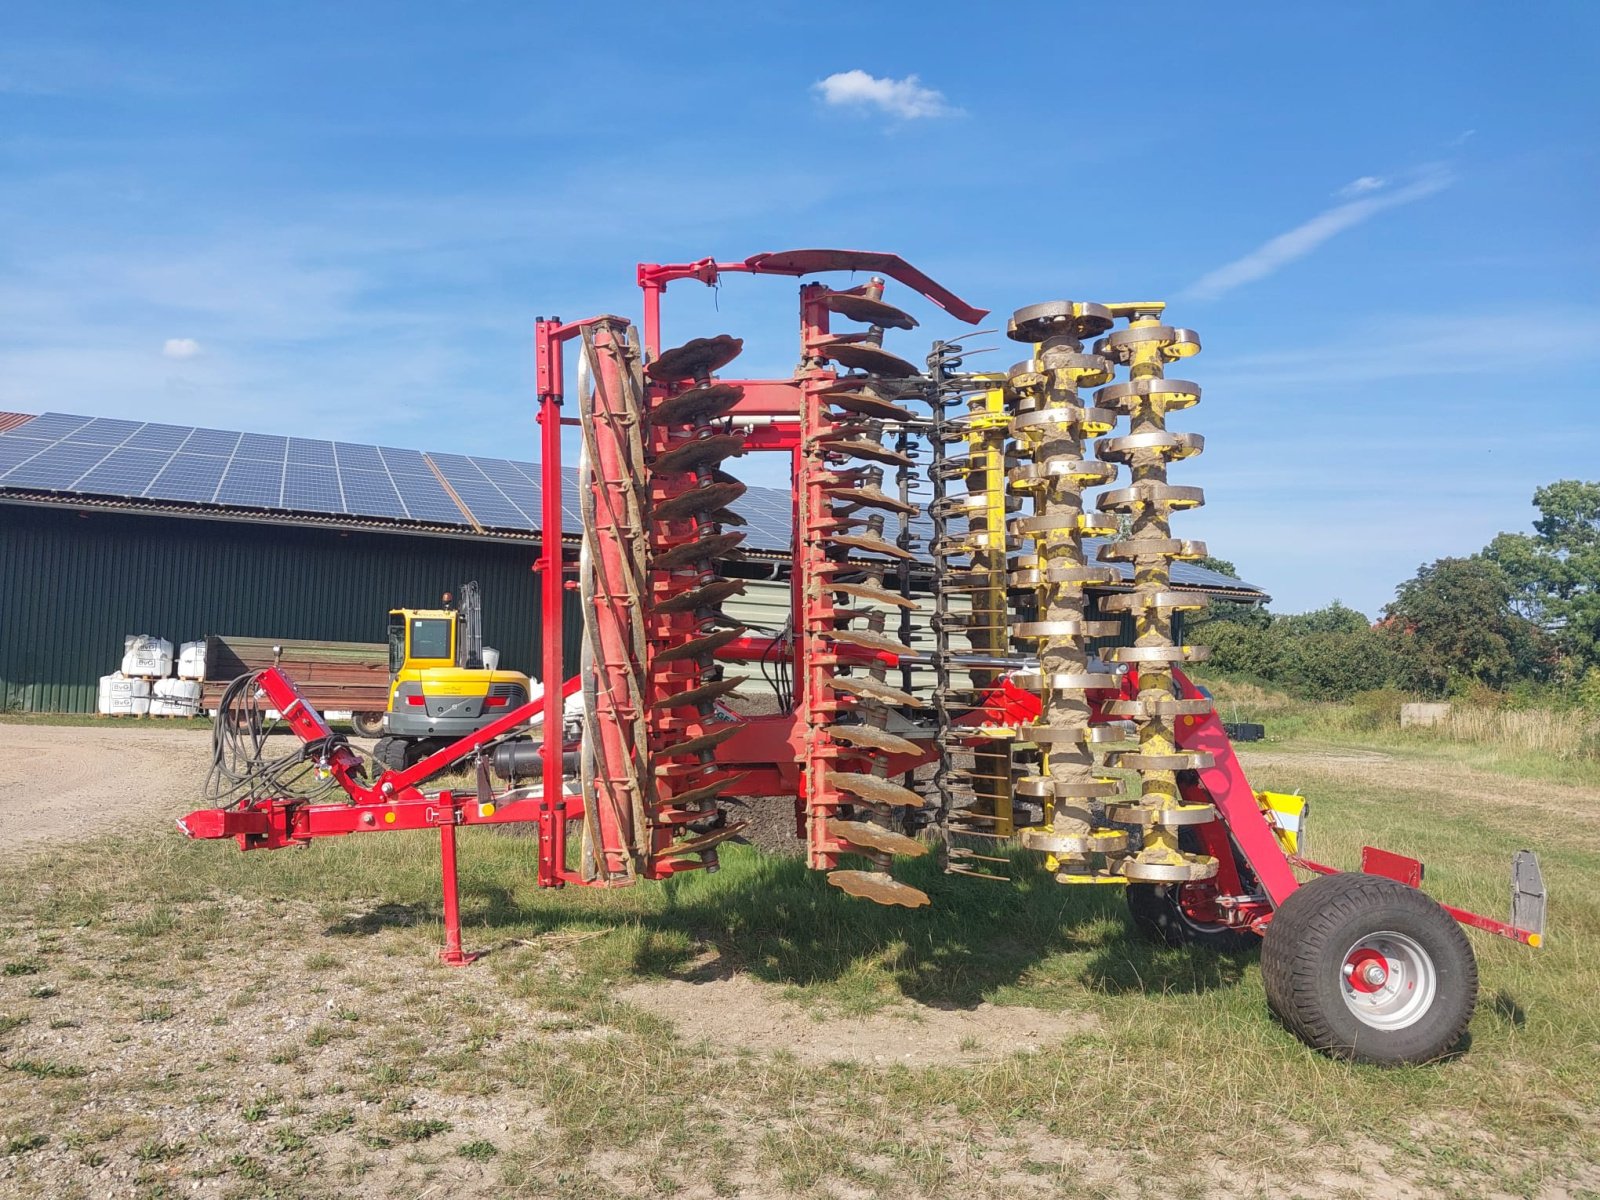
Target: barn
column 110, row 527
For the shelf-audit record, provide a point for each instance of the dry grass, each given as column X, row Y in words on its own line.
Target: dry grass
column 178, row 1019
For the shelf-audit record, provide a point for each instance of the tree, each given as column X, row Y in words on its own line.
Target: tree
column 1453, row 623
column 1337, row 617
column 1554, row 572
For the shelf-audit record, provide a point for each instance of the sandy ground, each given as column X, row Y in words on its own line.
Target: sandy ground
column 61, row 782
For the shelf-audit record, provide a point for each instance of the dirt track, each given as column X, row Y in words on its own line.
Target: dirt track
column 63, row 782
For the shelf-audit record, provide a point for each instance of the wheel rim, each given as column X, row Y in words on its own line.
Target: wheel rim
column 1388, row 980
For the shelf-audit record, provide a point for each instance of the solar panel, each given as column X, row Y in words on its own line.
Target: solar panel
column 312, row 488
column 212, row 441
column 104, row 431
column 189, row 477
column 265, row 446
column 359, row 458
column 160, row 437
column 372, row 493
column 124, row 472
column 426, row 500
column 56, row 467
column 304, row 450
column 14, row 450
column 51, row 425
column 252, row 483
column 489, row 504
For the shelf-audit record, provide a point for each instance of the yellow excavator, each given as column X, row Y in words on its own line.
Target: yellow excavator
column 440, row 686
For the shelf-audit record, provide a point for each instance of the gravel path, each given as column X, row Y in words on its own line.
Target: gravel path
column 65, row 782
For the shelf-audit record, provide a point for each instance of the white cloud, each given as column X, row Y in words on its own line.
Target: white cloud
column 180, row 348
column 1303, row 239
column 905, row 98
column 1356, row 187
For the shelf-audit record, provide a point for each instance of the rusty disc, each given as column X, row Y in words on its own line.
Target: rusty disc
column 726, row 516
column 862, row 448
column 876, row 837
column 709, row 644
column 872, row 497
column 697, row 405
column 871, row 689
column 865, row 309
column 704, row 596
column 695, row 358
column 867, row 640
column 870, row 737
column 696, row 501
column 702, row 450
column 878, row 886
column 704, row 841
column 697, row 745
column 879, row 595
column 869, row 544
column 708, row 791
column 868, row 404
column 700, row 550
column 874, row 790
column 864, row 356
column 700, row 694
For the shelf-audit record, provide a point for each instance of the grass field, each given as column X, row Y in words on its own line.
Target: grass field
column 180, row 1019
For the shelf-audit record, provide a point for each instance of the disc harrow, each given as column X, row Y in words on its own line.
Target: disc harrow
column 1006, row 734
column 1052, row 424
column 1145, row 345
column 840, row 474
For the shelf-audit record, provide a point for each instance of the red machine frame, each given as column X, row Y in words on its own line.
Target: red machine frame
column 771, row 755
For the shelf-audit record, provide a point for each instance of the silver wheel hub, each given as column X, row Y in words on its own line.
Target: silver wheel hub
column 1388, row 980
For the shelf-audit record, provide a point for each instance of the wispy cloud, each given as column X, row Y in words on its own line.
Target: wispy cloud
column 905, row 98
column 1370, row 196
column 1360, row 187
column 180, row 348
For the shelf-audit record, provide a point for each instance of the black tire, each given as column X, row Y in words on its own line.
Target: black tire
column 369, row 725
column 1321, row 929
column 390, row 753
column 1158, row 915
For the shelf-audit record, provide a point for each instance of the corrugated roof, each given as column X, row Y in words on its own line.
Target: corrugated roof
column 188, row 471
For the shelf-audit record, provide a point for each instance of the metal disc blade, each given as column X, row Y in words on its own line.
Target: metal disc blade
column 700, row 550
column 864, row 356
column 871, row 689
column 702, row 451
column 878, row 886
column 709, row 644
column 871, row 545
column 868, row 404
column 697, row 745
column 878, row 595
column 709, row 791
column 726, row 516
column 697, row 405
column 696, row 501
column 695, row 359
column 867, row 640
column 870, row 737
column 698, row 695
column 705, row 841
column 874, row 790
column 871, row 497
column 861, row 448
column 704, row 596
column 869, row 311
column 876, row 837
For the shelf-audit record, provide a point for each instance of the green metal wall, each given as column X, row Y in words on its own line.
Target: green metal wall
column 72, row 585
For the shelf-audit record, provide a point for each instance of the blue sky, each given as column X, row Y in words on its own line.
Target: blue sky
column 341, row 220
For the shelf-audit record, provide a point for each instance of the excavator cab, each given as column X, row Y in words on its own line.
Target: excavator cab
column 440, row 685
